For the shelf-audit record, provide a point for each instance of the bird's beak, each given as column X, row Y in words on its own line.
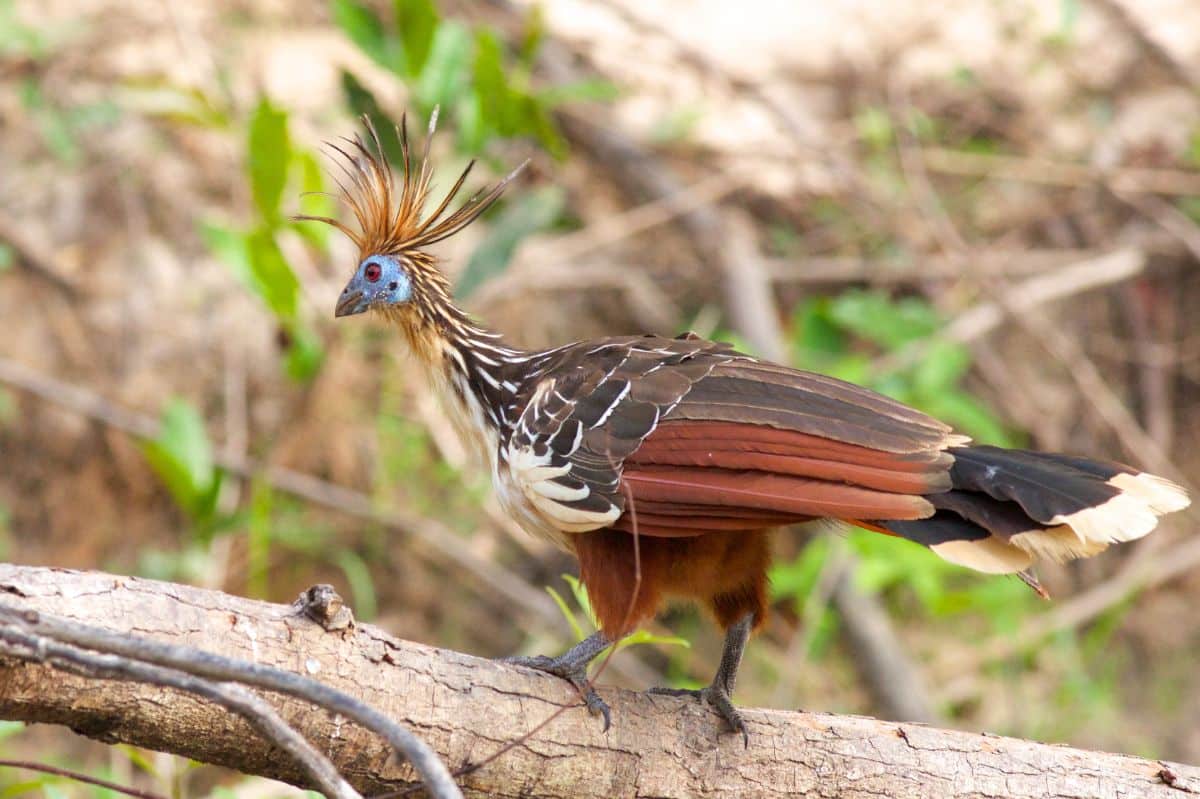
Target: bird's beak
column 351, row 302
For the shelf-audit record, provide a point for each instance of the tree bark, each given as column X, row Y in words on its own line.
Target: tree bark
column 467, row 708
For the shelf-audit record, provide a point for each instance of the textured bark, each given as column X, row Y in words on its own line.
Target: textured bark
column 466, row 708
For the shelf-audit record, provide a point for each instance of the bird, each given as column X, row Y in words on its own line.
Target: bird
column 665, row 464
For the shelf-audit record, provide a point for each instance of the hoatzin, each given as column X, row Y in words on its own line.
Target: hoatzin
column 672, row 459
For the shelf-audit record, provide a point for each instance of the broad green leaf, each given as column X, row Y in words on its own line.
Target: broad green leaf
column 7, row 259
column 815, row 331
column 272, row 279
column 417, row 22
column 882, row 320
column 490, row 84
column 943, row 364
column 365, row 29
column 532, row 117
column 268, row 157
column 525, row 215
column 182, row 457
column 445, row 76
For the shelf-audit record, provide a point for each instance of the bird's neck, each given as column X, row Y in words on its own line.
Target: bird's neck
column 475, row 371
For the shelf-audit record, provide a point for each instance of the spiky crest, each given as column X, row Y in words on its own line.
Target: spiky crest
column 392, row 221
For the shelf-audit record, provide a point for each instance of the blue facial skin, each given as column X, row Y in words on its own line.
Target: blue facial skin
column 379, row 280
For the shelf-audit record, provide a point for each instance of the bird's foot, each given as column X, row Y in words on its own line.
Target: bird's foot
column 574, row 672
column 717, row 696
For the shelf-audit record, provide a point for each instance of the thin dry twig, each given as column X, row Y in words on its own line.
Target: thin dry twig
column 79, row 777
column 33, row 256
column 1052, row 172
column 36, row 636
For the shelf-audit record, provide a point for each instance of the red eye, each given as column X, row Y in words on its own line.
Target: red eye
column 372, row 273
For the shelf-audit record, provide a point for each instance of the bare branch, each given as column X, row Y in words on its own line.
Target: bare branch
column 468, row 708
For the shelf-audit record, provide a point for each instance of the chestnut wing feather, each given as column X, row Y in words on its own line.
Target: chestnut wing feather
column 693, row 430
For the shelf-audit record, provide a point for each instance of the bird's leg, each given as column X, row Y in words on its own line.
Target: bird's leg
column 719, row 694
column 572, row 667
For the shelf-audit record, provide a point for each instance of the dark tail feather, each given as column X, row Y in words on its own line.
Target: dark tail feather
column 1007, row 507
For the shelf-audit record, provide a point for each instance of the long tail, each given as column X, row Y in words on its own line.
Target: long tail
column 1007, row 507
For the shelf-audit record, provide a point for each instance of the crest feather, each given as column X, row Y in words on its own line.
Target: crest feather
column 391, row 219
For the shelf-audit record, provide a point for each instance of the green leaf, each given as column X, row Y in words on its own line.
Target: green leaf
column 491, row 84
column 532, row 116
column 182, row 457
column 524, row 216
column 579, row 591
column 362, row 587
column 565, row 609
column 874, row 126
column 796, row 579
column 445, row 78
column 304, row 356
column 595, row 90
column 532, row 36
column 417, row 22
column 230, row 247
column 7, row 259
column 258, row 540
column 886, row 322
column 364, row 28
column 313, row 200
column 815, row 329
column 942, row 366
column 271, row 277
column 269, row 154
column 647, row 637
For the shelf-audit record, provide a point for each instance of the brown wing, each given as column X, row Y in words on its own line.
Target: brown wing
column 754, row 444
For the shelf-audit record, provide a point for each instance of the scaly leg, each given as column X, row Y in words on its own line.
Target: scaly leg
column 719, row 694
column 572, row 667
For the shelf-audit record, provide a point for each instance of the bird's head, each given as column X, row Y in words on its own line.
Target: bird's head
column 380, row 281
column 395, row 274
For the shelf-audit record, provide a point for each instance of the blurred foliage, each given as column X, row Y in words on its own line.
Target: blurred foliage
column 253, row 253
column 893, row 346
column 467, row 71
column 182, row 457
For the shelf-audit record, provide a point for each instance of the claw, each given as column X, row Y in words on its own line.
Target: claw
column 574, row 672
column 718, row 697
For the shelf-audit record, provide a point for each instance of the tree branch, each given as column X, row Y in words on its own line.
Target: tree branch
column 467, row 708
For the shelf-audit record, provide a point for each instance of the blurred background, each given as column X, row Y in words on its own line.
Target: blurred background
column 987, row 209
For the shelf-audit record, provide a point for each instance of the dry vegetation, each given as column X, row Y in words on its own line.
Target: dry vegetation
column 946, row 159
